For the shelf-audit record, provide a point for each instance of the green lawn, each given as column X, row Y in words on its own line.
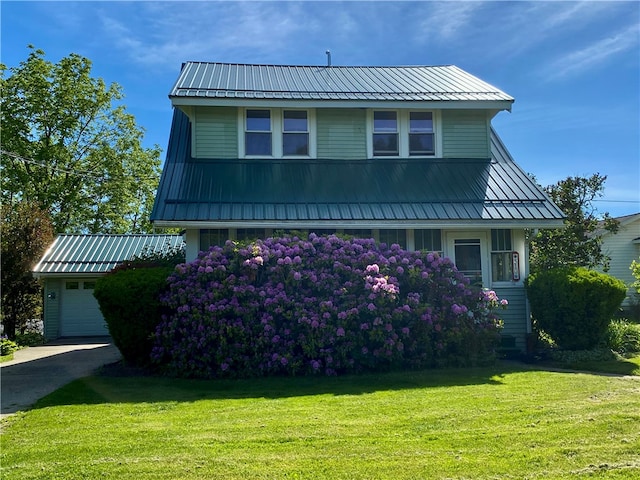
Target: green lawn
column 504, row 422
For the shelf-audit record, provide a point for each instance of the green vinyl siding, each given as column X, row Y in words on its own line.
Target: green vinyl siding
column 216, row 132
column 465, row 134
column 51, row 308
column 515, row 316
column 341, row 133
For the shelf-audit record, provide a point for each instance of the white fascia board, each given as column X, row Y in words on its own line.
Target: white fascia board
column 448, row 224
column 496, row 105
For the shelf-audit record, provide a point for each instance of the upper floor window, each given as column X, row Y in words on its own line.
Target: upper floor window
column 385, row 133
column 402, row 133
column 277, row 133
column 421, row 133
column 295, row 133
column 257, row 136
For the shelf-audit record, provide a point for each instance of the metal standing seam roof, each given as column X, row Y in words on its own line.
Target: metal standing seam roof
column 295, row 82
column 368, row 192
column 98, row 254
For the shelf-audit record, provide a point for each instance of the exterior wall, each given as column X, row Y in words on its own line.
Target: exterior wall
column 465, row 134
column 341, row 133
column 216, row 132
column 622, row 250
column 515, row 317
column 51, row 308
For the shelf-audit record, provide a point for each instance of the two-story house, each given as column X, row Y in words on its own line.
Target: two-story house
column 405, row 155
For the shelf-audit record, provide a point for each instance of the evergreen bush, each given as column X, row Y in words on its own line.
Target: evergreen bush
column 129, row 302
column 574, row 305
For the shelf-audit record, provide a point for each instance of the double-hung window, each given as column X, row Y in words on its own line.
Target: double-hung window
column 402, row 133
column 421, row 133
column 295, row 133
column 501, row 256
column 277, row 132
column 258, row 136
column 428, row 240
column 385, row 133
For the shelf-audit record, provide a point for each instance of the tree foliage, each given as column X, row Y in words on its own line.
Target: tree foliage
column 26, row 234
column 579, row 243
column 68, row 147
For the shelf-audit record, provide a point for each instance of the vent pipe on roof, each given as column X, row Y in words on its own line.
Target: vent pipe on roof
column 328, row 52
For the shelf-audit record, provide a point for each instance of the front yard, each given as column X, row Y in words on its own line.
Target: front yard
column 504, row 422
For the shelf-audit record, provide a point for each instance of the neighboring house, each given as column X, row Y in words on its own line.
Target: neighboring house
column 623, row 247
column 405, row 155
column 69, row 270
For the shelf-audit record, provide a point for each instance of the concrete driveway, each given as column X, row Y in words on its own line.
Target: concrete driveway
column 35, row 372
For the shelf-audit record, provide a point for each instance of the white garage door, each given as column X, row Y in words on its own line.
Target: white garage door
column 80, row 314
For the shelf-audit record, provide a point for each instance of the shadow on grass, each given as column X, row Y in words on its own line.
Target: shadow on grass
column 111, row 388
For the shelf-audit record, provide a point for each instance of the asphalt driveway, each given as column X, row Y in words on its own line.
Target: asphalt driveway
column 37, row 371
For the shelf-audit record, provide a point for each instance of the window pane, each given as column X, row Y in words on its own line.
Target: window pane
column 214, row 236
column 72, row 285
column 357, row 233
column 420, row 122
column 295, row 144
column 500, row 239
column 384, row 121
column 259, row 120
column 88, row 285
column 501, row 267
column 430, row 240
column 469, row 259
column 385, row 144
column 295, row 121
column 250, row 233
column 393, row 236
column 421, row 144
column 257, row 143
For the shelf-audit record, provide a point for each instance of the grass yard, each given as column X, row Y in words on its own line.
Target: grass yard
column 504, row 422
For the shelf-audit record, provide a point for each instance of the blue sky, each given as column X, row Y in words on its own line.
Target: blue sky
column 573, row 67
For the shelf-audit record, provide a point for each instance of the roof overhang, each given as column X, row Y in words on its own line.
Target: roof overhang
column 324, row 224
column 497, row 105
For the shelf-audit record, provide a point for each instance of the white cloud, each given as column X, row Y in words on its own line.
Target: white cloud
column 594, row 54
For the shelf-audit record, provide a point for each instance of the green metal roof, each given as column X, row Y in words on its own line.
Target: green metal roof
column 373, row 193
column 203, row 80
column 98, row 254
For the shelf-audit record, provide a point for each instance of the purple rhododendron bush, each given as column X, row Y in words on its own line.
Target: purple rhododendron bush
column 322, row 305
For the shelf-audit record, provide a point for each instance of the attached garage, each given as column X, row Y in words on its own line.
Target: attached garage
column 70, row 268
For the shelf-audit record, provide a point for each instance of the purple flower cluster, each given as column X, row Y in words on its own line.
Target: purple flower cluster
column 321, row 305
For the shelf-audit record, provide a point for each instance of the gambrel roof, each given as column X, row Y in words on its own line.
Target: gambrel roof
column 98, row 254
column 237, row 82
column 371, row 193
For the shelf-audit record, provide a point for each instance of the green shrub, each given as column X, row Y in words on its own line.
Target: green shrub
column 7, row 347
column 29, row 339
column 574, row 306
column 128, row 301
column 623, row 337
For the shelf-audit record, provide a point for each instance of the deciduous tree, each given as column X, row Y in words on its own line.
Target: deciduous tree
column 578, row 243
column 69, row 146
column 26, row 234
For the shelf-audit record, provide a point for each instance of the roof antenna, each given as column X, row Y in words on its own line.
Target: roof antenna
column 328, row 52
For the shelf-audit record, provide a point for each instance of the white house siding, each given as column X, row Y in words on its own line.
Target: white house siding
column 465, row 134
column 622, row 250
column 52, row 308
column 216, row 132
column 341, row 133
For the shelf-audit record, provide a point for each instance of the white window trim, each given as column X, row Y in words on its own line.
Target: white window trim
column 277, row 131
column 403, row 133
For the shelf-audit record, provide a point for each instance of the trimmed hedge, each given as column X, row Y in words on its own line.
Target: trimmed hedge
column 574, row 305
column 129, row 302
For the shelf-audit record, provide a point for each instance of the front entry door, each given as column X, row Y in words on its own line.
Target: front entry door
column 467, row 250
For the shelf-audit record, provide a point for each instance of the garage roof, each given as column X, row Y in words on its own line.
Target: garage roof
column 98, row 254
